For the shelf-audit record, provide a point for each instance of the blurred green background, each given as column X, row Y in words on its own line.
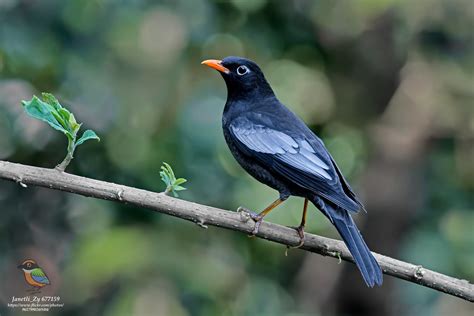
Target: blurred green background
column 388, row 85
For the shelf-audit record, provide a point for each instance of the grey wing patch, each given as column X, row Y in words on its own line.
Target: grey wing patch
column 265, row 140
column 297, row 153
column 307, row 162
column 289, row 143
column 308, row 151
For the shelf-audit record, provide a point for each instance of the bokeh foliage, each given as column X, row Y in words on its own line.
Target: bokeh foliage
column 131, row 71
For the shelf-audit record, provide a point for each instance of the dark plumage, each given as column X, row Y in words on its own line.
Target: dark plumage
column 274, row 146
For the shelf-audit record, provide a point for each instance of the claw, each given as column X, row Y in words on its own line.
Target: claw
column 245, row 214
column 258, row 221
column 300, row 231
column 242, row 209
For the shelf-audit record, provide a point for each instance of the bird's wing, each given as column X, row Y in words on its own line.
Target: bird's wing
column 39, row 276
column 302, row 160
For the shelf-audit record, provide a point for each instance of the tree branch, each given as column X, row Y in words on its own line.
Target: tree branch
column 204, row 215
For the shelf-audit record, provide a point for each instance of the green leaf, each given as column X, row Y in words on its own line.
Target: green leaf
column 45, row 112
column 87, row 135
column 165, row 178
column 60, row 118
column 72, row 122
column 62, row 114
column 168, row 177
column 64, row 117
column 180, row 181
column 169, row 170
column 49, row 110
column 51, row 100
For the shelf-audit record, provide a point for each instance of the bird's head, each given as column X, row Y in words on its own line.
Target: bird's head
column 242, row 76
column 28, row 265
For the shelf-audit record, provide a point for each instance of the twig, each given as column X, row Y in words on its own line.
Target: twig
column 53, row 179
column 67, row 160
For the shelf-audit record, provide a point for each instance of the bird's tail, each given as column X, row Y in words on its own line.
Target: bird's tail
column 349, row 232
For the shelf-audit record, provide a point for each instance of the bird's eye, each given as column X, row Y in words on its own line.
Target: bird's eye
column 242, row 70
column 28, row 265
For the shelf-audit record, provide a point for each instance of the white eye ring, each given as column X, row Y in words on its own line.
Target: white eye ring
column 242, row 70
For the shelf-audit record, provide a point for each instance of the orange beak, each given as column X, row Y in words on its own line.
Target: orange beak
column 216, row 64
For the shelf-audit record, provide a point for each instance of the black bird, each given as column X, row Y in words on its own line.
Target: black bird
column 275, row 146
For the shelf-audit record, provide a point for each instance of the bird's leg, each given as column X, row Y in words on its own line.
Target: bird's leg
column 31, row 290
column 300, row 228
column 258, row 218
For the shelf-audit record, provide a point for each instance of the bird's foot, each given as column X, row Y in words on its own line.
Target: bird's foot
column 258, row 220
column 246, row 214
column 33, row 291
column 300, row 231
